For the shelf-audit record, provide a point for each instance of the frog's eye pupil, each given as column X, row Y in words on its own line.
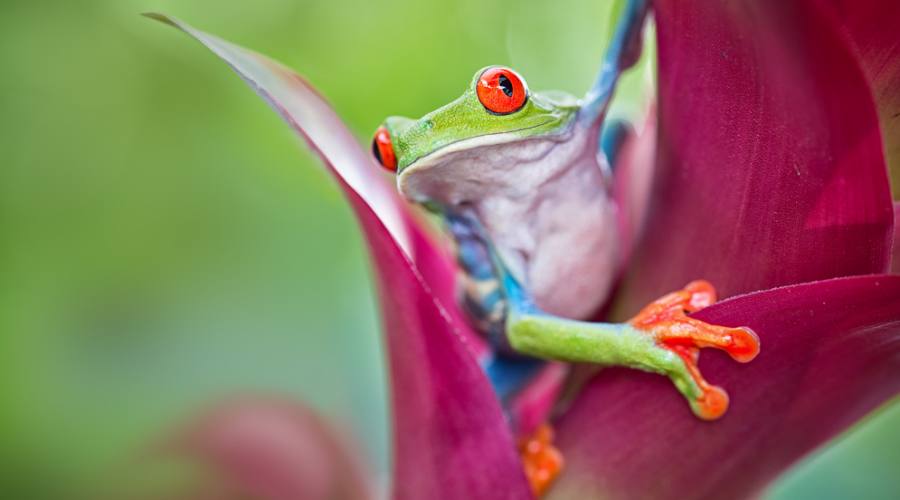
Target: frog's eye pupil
column 506, row 85
column 501, row 91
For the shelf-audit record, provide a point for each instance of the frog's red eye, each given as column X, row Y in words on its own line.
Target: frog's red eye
column 383, row 149
column 501, row 91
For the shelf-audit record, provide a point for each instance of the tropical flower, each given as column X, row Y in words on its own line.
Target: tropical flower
column 768, row 159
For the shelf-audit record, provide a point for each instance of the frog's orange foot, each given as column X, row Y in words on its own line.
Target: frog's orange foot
column 541, row 460
column 667, row 320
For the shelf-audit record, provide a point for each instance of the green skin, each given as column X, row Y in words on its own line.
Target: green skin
column 529, row 330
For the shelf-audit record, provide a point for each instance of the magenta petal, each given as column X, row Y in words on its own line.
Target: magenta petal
column 307, row 112
column 270, row 449
column 872, row 28
column 831, row 354
column 450, row 437
column 895, row 250
column 770, row 165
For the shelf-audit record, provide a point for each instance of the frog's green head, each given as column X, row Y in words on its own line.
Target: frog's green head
column 497, row 108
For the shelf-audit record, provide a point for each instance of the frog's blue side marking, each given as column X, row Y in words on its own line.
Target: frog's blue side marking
column 510, row 374
column 490, row 292
column 471, row 252
column 482, row 299
column 613, row 137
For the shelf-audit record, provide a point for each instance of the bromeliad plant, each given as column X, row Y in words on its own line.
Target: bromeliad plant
column 769, row 180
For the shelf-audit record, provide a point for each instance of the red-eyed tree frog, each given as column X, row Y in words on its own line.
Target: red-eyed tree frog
column 523, row 187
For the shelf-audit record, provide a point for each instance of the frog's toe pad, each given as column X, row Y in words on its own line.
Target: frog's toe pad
column 541, row 460
column 743, row 344
column 701, row 294
column 712, row 404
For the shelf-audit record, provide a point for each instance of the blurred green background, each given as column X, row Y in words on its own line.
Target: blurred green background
column 166, row 243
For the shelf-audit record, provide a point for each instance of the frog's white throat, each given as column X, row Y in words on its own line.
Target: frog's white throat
column 544, row 202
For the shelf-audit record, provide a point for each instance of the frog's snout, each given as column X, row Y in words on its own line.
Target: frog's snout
column 383, row 149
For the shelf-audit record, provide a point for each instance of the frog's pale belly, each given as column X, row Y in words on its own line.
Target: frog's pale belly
column 545, row 205
column 561, row 240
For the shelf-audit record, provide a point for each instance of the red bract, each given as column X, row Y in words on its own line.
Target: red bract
column 770, row 167
column 769, row 172
column 829, row 357
column 895, row 253
column 871, row 27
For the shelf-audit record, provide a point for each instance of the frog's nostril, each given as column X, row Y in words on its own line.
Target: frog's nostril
column 383, row 149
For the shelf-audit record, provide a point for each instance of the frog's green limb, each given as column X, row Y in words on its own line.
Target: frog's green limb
column 608, row 344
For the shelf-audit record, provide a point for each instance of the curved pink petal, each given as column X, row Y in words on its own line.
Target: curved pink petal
column 450, row 437
column 449, row 434
column 831, row 354
column 307, row 112
column 895, row 250
column 271, row 449
column 770, row 166
column 872, row 28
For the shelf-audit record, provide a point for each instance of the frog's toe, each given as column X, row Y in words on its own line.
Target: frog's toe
column 742, row 344
column 541, row 460
column 707, row 401
column 701, row 294
column 712, row 404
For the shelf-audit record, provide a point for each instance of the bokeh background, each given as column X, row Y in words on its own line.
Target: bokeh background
column 168, row 243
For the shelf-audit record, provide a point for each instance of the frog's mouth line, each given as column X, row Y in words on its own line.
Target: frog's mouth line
column 432, row 162
column 438, row 152
column 434, row 158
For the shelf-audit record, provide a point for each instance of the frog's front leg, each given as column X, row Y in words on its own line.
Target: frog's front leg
column 661, row 338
